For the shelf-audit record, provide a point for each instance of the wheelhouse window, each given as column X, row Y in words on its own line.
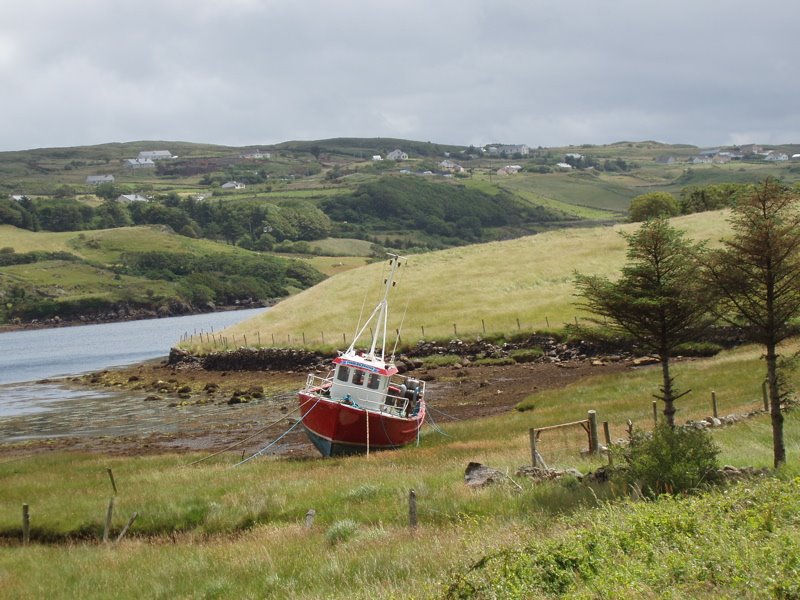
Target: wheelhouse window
column 343, row 373
column 374, row 381
column 358, row 377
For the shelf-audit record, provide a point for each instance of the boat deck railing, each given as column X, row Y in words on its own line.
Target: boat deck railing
column 392, row 402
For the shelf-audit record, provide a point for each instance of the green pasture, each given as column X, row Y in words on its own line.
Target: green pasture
column 106, row 245
column 218, row 530
column 65, row 280
column 494, row 288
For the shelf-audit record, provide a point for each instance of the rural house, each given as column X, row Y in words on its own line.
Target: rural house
column 131, row 198
column 138, row 163
column 233, row 185
column 98, row 179
column 155, row 154
column 397, row 155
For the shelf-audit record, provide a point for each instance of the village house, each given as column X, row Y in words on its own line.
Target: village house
column 509, row 170
column 376, row 157
column 257, row 155
column 776, row 156
column 98, row 179
column 155, row 154
column 451, row 166
column 509, row 149
column 138, row 163
column 131, row 198
column 397, row 155
column 233, row 185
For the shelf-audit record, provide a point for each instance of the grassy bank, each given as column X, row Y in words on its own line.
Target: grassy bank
column 214, row 530
column 493, row 288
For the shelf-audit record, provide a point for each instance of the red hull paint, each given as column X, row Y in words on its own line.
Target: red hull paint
column 346, row 426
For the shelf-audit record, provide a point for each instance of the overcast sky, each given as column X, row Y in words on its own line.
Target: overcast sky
column 542, row 73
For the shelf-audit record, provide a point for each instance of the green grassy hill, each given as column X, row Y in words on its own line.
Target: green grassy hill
column 66, row 274
column 485, row 288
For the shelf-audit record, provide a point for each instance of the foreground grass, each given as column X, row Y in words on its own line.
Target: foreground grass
column 734, row 543
column 214, row 530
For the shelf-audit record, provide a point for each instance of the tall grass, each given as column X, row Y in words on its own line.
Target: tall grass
column 492, row 288
column 214, row 530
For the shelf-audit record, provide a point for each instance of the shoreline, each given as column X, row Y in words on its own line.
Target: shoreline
column 148, row 316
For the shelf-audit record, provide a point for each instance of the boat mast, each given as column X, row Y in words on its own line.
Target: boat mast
column 381, row 311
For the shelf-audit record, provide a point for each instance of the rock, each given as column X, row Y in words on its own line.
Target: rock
column 478, row 475
column 153, row 398
column 644, row 360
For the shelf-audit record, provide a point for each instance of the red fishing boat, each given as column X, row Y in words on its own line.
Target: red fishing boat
column 364, row 403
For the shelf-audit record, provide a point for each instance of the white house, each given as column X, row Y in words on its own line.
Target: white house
column 449, row 165
column 564, row 166
column 233, row 185
column 98, row 179
column 509, row 149
column 376, row 157
column 156, row 154
column 397, row 155
column 131, row 198
column 777, row 156
column 257, row 155
column 139, row 163
column 509, row 170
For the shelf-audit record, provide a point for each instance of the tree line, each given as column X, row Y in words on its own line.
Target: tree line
column 672, row 290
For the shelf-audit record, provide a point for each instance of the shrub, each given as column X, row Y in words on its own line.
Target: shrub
column 441, row 360
column 670, row 460
column 653, row 205
column 698, row 349
column 341, row 531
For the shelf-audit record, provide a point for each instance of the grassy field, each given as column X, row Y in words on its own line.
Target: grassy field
column 498, row 287
column 214, row 530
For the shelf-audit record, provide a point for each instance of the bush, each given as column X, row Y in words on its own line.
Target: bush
column 653, row 205
column 341, row 531
column 670, row 460
column 441, row 360
column 698, row 349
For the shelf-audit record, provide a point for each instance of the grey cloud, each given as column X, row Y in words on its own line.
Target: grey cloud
column 521, row 71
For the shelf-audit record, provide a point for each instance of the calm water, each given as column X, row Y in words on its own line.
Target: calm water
column 52, row 409
column 46, row 353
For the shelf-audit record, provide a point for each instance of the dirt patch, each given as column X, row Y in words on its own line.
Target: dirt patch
column 216, row 409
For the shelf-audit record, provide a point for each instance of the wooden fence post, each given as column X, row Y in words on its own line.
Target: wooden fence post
column 714, row 404
column 412, row 509
column 546, row 320
column 765, row 395
column 594, row 442
column 519, row 328
column 655, row 413
column 455, row 330
column 127, row 526
column 26, row 525
column 607, row 435
column 534, row 453
column 109, row 515
column 111, row 477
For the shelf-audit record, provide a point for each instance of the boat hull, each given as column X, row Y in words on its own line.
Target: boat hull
column 338, row 429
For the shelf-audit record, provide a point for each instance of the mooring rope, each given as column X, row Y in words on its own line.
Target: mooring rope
column 240, row 442
column 280, row 437
column 435, row 427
